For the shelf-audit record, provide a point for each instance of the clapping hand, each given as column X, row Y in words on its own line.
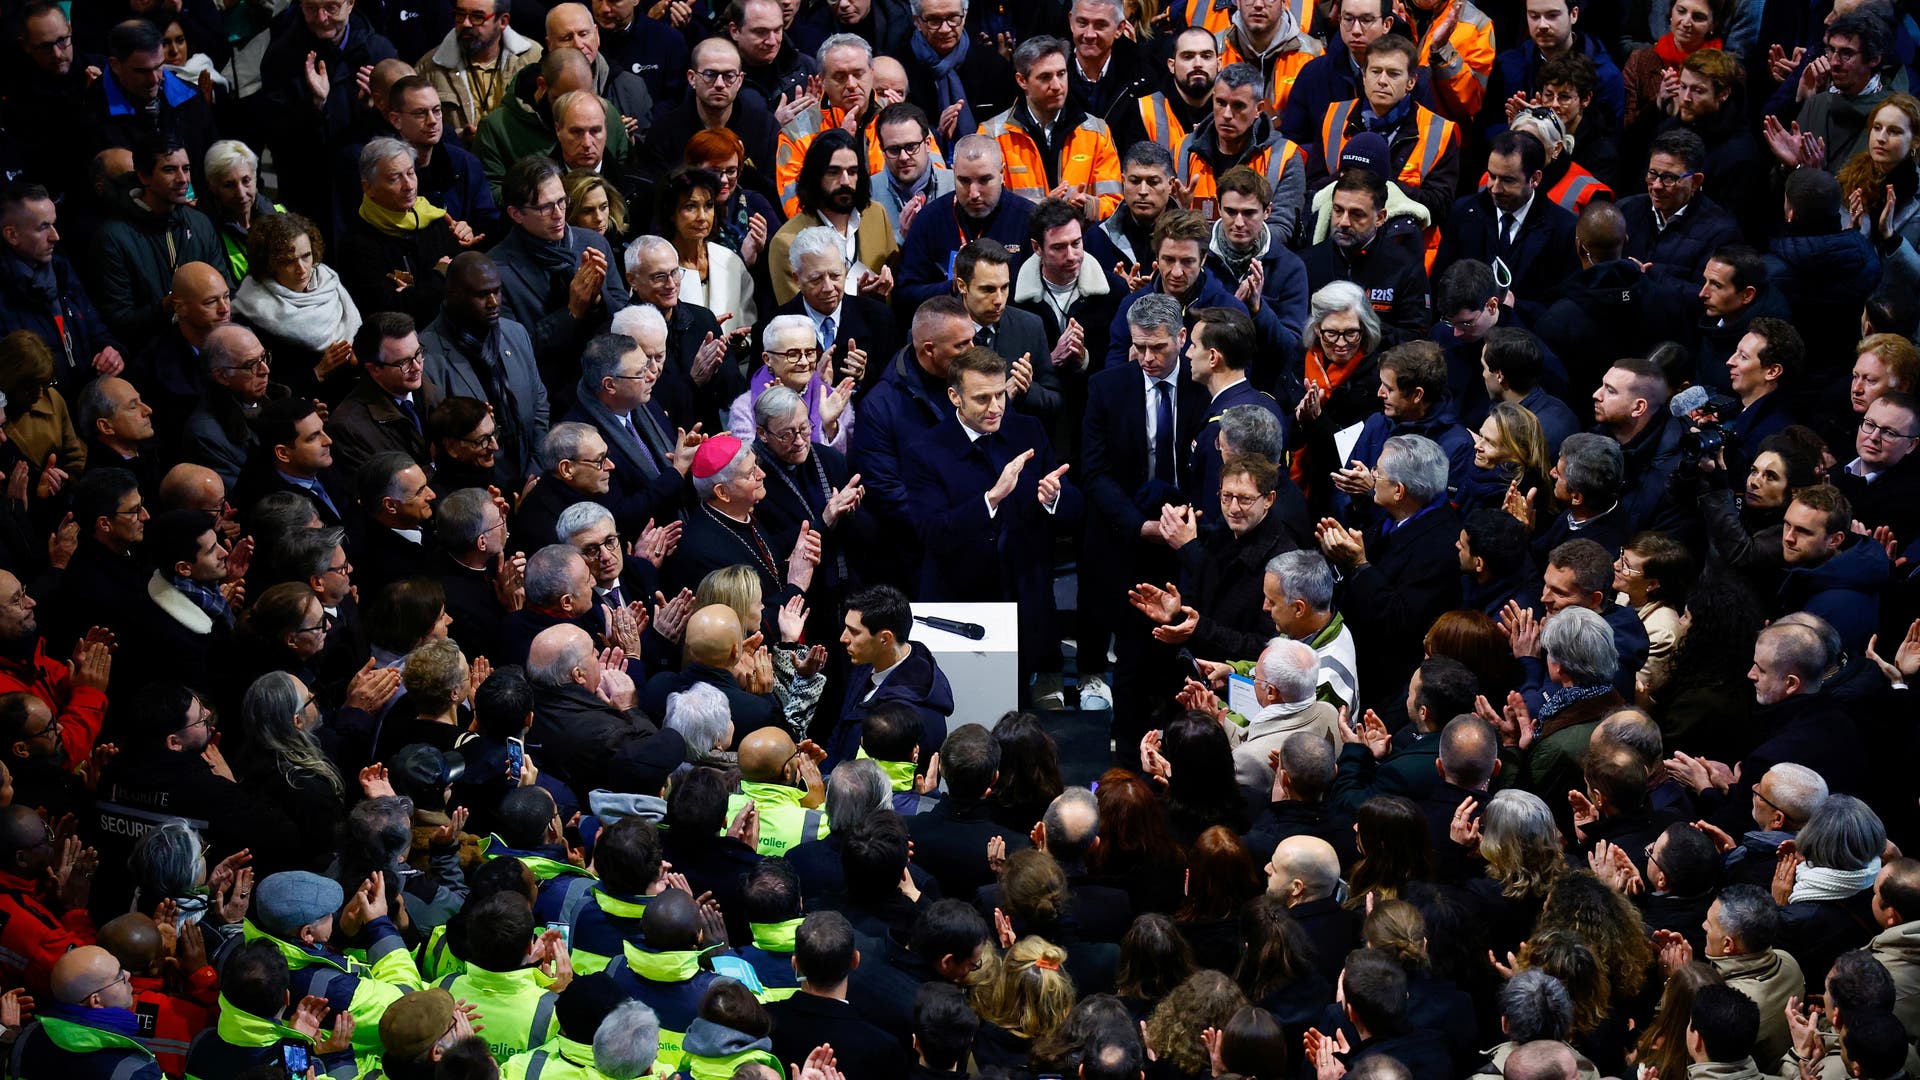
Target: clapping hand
column 844, row 501
column 1464, row 829
column 1151, row 760
column 1322, row 1050
column 1584, row 812
column 1162, row 605
column 1372, row 733
column 1675, row 952
column 1514, row 722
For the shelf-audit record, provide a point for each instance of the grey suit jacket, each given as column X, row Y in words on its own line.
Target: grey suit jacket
column 450, row 371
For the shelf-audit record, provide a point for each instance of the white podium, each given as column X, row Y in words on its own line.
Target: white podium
column 984, row 674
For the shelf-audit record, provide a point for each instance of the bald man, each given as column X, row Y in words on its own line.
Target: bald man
column 571, row 26
column 718, row 103
column 783, row 782
column 1610, row 308
column 169, row 367
column 238, row 381
column 135, row 942
column 33, row 935
column 978, row 206
column 716, row 650
column 1542, row 1059
column 92, row 1035
column 582, row 713
column 1305, row 872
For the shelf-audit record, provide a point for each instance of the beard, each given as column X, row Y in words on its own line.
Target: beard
column 840, row 200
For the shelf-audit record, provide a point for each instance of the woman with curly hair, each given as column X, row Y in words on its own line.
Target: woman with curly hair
column 1707, row 710
column 1154, row 958
column 1207, row 999
column 1662, row 1046
column 1600, row 1031
column 1395, row 849
column 1220, row 879
column 1879, row 182
column 1029, row 772
column 298, row 306
column 1397, row 929
column 1277, row 968
column 1137, row 850
column 1610, row 926
column 1525, row 855
column 1025, row 1001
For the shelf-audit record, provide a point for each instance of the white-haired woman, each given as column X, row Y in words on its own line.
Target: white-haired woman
column 1339, row 385
column 232, row 170
column 793, row 359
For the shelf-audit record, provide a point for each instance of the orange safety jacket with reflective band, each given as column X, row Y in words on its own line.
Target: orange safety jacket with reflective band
column 1286, row 67
column 1216, row 15
column 1436, row 133
column 799, row 133
column 1161, row 125
column 1203, row 194
column 1087, row 160
column 1460, row 85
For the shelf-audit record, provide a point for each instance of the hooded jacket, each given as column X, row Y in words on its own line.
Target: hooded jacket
column 1898, row 950
column 63, row 317
column 713, row 1051
column 1199, row 164
column 1845, row 590
column 1280, row 63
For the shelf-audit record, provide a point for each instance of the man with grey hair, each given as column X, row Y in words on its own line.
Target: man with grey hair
column 1803, row 724
column 1051, row 146
column 856, row 788
column 576, row 466
column 396, row 500
column 729, row 484
column 1069, row 831
column 483, row 580
column 618, row 582
column 1784, row 799
column 849, row 328
column 1569, row 689
column 1588, row 477
column 651, row 458
column 979, row 207
column 1304, row 873
column 698, row 382
column 1106, row 72
column 583, row 712
column 627, row 1043
column 559, row 591
column 1136, row 458
column 217, row 434
column 1741, row 926
column 1284, row 683
column 844, row 99
column 1535, row 1006
column 702, row 717
column 1403, row 572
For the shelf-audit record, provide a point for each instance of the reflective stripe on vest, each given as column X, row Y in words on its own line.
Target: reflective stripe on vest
column 1575, row 189
column 1333, row 131
column 1162, row 126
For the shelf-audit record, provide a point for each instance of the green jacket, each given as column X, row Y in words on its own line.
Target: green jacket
column 517, row 1006
column 517, row 128
column 52, row 1048
column 365, row 988
column 784, row 823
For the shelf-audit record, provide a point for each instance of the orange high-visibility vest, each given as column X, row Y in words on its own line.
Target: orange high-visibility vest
column 1461, row 85
column 799, row 133
column 1436, row 132
column 1214, row 16
column 1087, row 159
column 1162, row 126
column 1574, row 191
column 1286, row 67
column 1191, row 169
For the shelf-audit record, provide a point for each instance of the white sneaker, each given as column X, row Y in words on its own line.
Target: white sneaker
column 1095, row 695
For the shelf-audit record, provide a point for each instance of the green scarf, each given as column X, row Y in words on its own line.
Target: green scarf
column 398, row 223
column 900, row 773
column 774, row 937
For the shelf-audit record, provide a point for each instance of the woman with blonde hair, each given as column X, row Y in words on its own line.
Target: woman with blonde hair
column 1884, row 362
column 1025, row 1001
column 1517, row 837
column 32, row 408
column 1207, row 999
column 1509, row 453
column 594, row 203
column 797, row 678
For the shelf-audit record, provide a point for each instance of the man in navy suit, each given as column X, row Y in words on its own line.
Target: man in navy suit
column 985, row 492
column 1514, row 224
column 1136, row 455
column 852, row 329
column 1403, row 572
column 1218, row 353
column 650, row 460
column 983, row 279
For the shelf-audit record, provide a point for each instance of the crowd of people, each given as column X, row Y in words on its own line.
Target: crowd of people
column 472, row 466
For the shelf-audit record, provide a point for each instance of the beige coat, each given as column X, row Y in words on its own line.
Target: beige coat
column 1267, row 731
column 448, row 74
column 1769, row 979
column 1663, row 643
column 1898, row 948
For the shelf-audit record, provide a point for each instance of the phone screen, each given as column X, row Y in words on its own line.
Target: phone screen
column 294, row 1056
column 516, row 754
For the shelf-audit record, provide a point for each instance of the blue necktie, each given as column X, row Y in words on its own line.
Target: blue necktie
column 1163, row 467
column 406, row 406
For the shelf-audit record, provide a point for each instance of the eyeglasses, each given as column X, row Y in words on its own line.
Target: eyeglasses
column 1348, row 336
column 418, row 359
column 480, row 443
column 473, row 18
column 1228, row 499
column 611, row 545
column 135, row 511
column 208, row 719
column 1872, row 430
column 1626, row 570
column 318, row 628
column 323, row 7
column 786, row 436
column 905, row 150
column 1355, row 22
column 796, row 357
column 662, row 279
column 259, row 365
column 719, row 78
column 1667, row 179
column 555, row 206
column 604, row 461
column 52, row 728
column 730, row 173
column 347, row 567
column 103, row 988
column 943, row 22
column 57, row 45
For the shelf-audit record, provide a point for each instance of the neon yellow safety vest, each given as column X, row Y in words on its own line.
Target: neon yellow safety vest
column 784, row 823
column 517, row 1006
column 380, row 982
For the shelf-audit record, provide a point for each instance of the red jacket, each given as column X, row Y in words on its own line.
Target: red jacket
column 168, row 1022
column 32, row 937
column 81, row 709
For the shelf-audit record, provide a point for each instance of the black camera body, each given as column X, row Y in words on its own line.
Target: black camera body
column 1709, row 436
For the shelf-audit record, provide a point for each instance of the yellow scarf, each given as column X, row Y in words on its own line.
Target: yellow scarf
column 396, row 223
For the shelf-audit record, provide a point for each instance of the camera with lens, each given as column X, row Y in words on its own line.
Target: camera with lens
column 1709, row 435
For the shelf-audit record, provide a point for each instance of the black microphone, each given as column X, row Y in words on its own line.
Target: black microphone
column 971, row 630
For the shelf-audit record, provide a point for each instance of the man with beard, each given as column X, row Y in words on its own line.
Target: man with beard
column 1394, row 280
column 75, row 692
column 638, row 44
column 139, row 99
column 1166, row 115
column 835, row 190
column 618, row 375
column 1513, row 223
column 474, row 67
column 473, row 352
column 699, row 382
column 1267, row 34
column 556, row 277
column 45, row 94
column 451, row 178
column 1180, row 271
column 1705, row 104
column 979, row 207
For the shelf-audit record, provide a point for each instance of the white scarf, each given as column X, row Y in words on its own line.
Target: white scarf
column 313, row 319
column 1825, row 883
